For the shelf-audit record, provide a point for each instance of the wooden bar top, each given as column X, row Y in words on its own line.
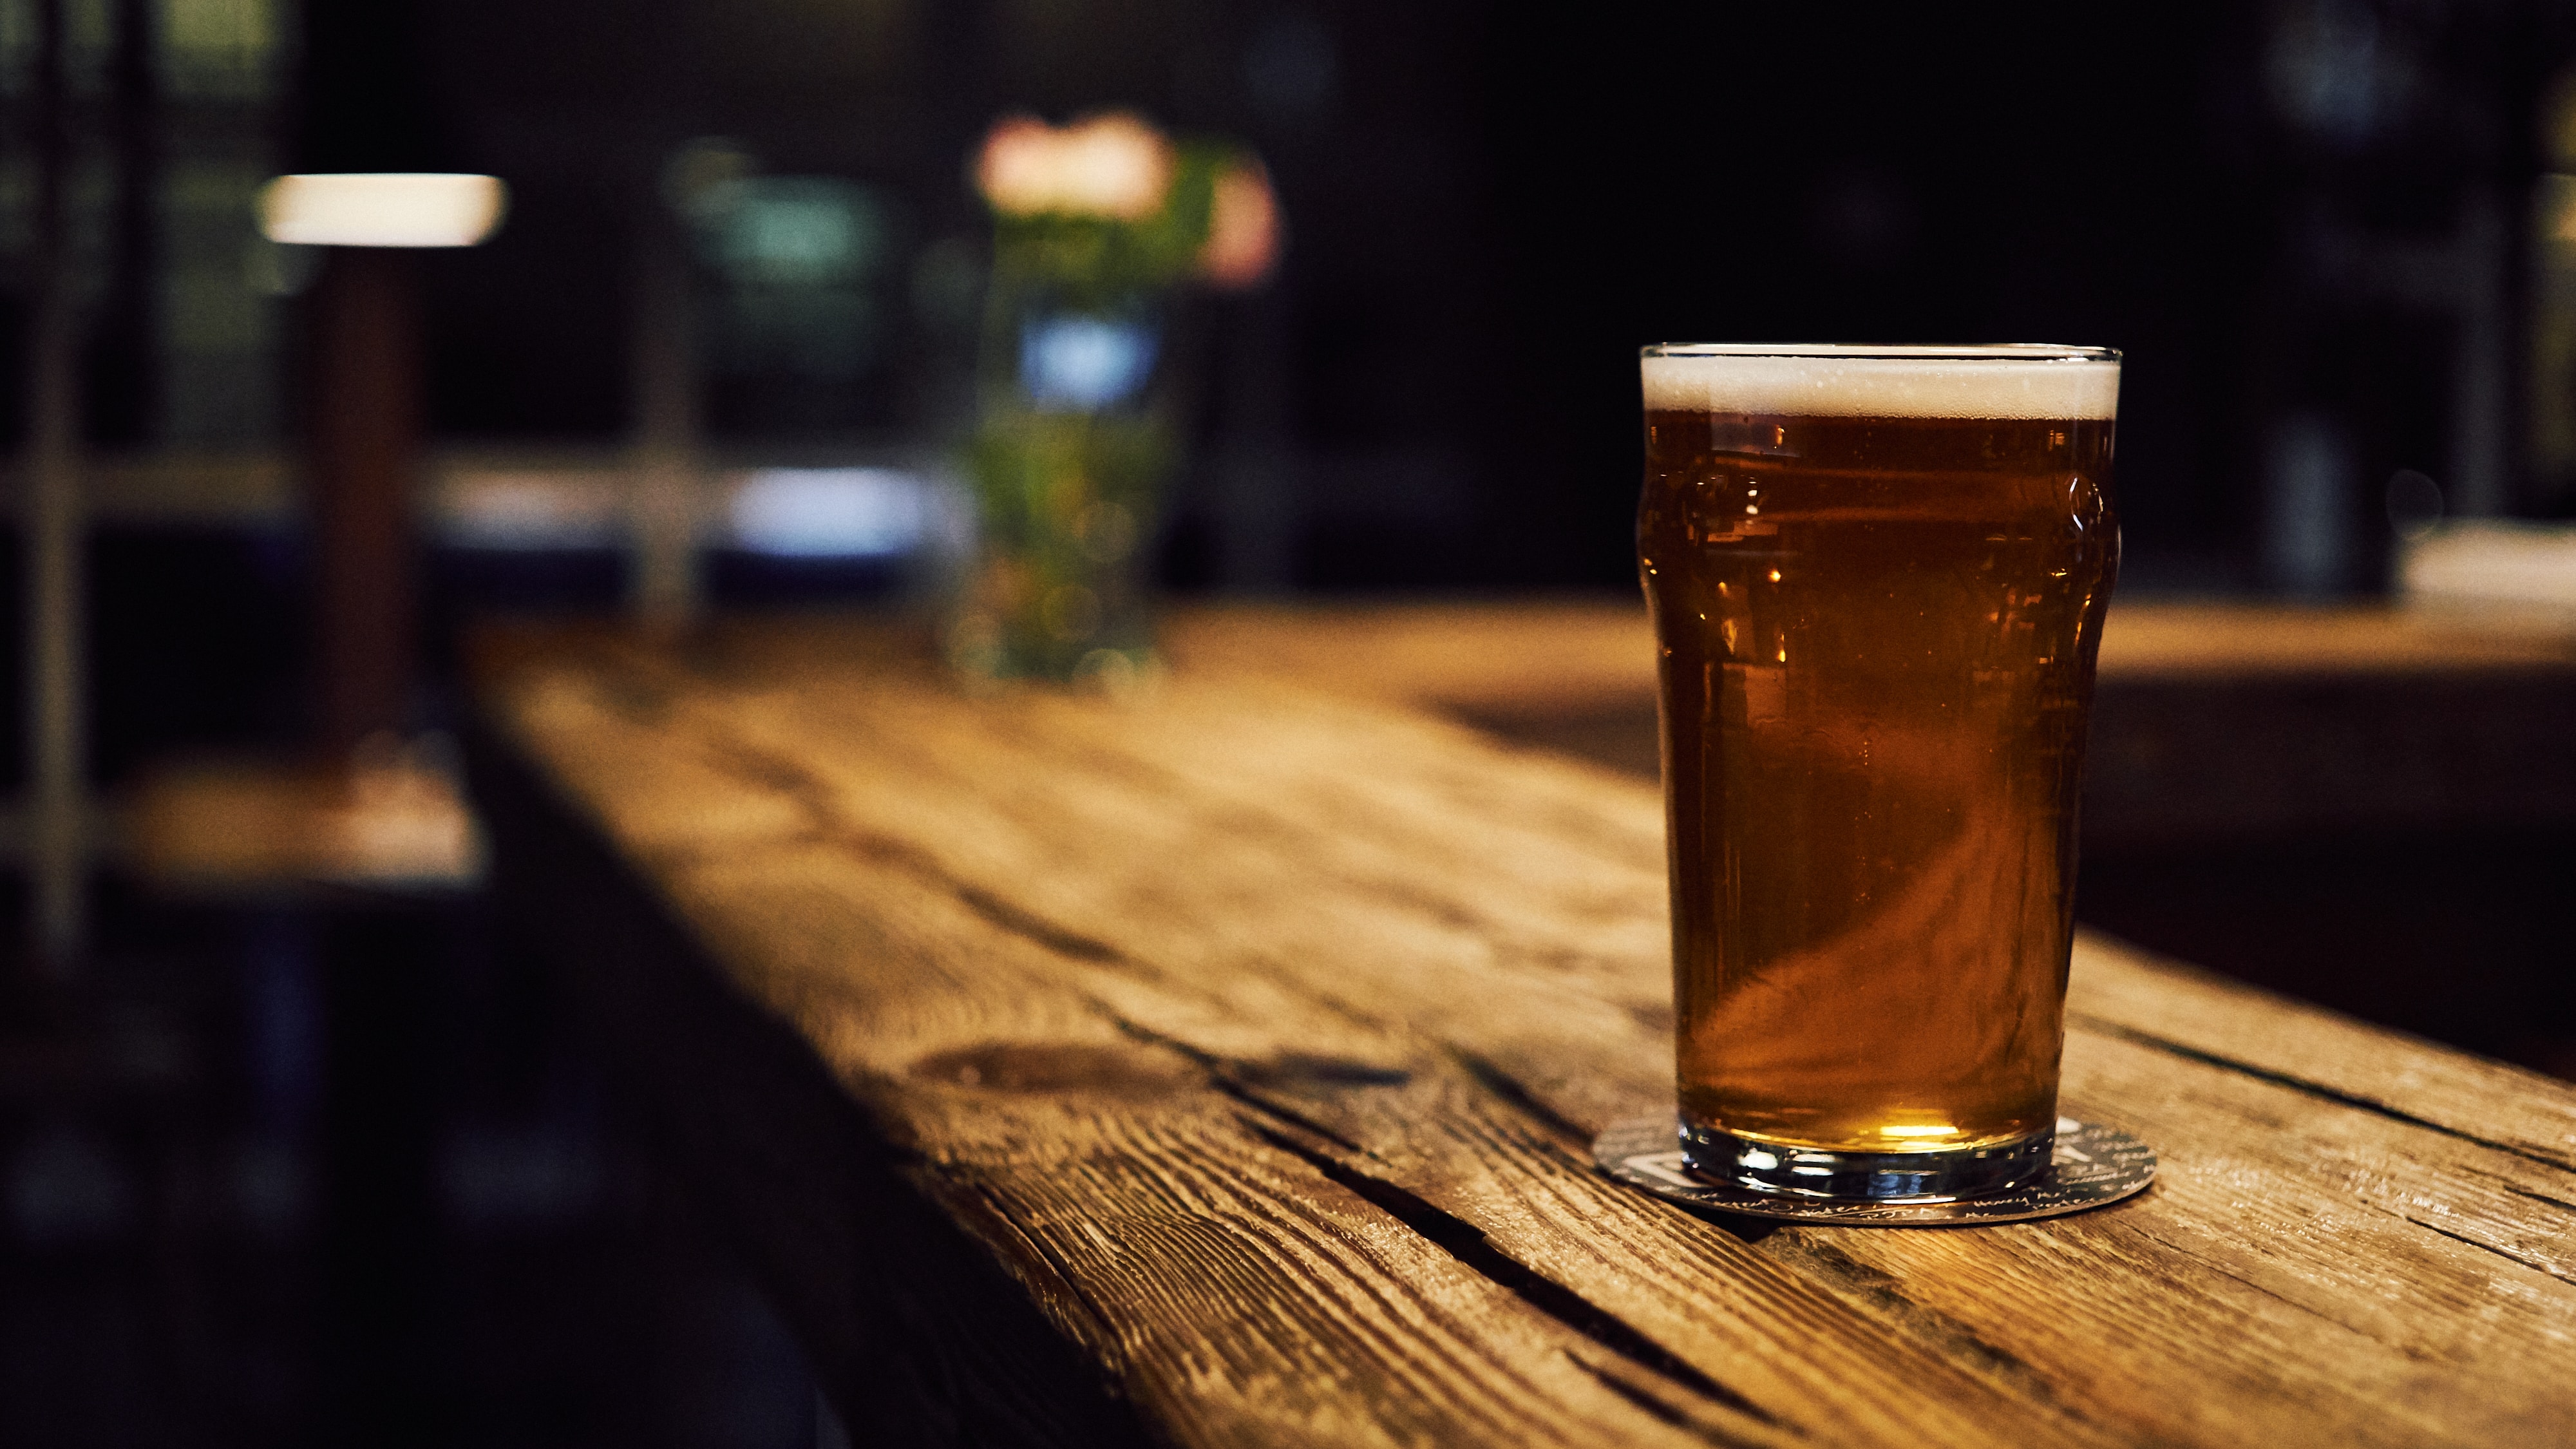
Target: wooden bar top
column 1217, row 1066
column 2211, row 721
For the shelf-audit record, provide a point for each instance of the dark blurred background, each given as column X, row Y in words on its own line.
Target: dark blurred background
column 324, row 1164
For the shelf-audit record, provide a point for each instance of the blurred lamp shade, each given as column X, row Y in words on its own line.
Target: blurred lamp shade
column 381, row 209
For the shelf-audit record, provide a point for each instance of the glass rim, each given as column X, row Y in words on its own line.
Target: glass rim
column 1890, row 351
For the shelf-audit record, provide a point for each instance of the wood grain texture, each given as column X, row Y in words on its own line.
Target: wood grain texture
column 1252, row 1034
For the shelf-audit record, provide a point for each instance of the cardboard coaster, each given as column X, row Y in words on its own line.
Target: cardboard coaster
column 2093, row 1165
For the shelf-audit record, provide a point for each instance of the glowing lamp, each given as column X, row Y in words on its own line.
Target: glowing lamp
column 381, row 209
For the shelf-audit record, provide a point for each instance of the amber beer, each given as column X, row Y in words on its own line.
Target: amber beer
column 1877, row 576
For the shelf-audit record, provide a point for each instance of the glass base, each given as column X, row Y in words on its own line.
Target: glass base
column 1934, row 1176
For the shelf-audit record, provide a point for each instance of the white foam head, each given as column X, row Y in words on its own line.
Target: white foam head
column 1854, row 381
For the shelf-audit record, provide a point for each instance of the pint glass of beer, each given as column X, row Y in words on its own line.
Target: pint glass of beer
column 1877, row 576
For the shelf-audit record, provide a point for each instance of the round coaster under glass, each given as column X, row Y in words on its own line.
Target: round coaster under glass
column 2091, row 1165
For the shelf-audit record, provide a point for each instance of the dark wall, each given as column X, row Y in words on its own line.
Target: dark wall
column 1876, row 173
column 1491, row 208
column 2176, row 181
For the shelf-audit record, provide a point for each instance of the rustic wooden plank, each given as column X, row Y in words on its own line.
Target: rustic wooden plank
column 1417, row 969
column 2299, row 1272
column 2201, row 640
column 2212, row 721
column 1582, row 650
column 2121, row 990
column 910, row 1323
column 1225, row 1284
column 1519, row 654
column 781, row 946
